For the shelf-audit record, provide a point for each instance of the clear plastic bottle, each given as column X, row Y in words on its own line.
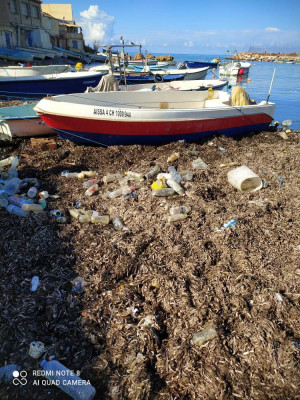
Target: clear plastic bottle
column 180, row 210
column 174, row 185
column 119, row 192
column 68, row 381
column 153, row 172
column 90, row 183
column 163, row 192
column 117, row 223
column 12, row 186
column 186, row 175
column 7, row 373
column 17, row 211
column 75, row 212
column 176, row 217
column 111, row 177
column 84, row 218
column 71, row 174
column 164, row 175
column 14, row 164
column 32, row 207
column 91, row 190
column 18, row 201
column 32, row 192
column 134, row 176
column 100, row 219
column 204, row 336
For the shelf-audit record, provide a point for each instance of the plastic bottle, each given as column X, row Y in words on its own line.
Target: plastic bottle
column 163, row 192
column 91, row 190
column 75, row 212
column 61, row 219
column 32, row 207
column 111, row 177
column 176, row 217
column 19, row 200
column 14, row 164
column 83, row 218
column 180, row 210
column 174, row 185
column 35, row 281
column 204, row 336
column 31, row 181
column 17, row 211
column 7, row 372
column 117, row 223
column 100, row 219
column 134, row 176
column 42, row 202
column 90, row 183
column 119, row 192
column 6, row 161
column 71, row 174
column 187, row 175
column 87, row 174
column 12, row 186
column 164, row 175
column 153, row 172
column 3, row 202
column 173, row 157
column 32, row 192
column 159, row 184
column 68, row 381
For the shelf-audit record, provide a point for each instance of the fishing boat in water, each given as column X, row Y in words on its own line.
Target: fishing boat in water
column 202, row 84
column 148, row 118
column 15, row 55
column 234, row 68
column 38, row 86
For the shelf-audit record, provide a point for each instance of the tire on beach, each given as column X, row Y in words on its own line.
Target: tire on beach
column 158, row 78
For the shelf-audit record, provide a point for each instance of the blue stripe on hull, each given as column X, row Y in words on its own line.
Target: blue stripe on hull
column 115, row 140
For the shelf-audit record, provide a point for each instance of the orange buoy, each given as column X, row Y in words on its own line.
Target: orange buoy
column 248, row 80
column 213, row 76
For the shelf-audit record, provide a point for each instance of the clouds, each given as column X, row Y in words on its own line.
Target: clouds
column 189, row 43
column 272, row 29
column 96, row 25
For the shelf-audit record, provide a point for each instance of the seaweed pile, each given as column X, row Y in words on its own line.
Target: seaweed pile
column 149, row 289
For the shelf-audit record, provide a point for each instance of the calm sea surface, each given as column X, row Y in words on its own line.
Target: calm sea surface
column 285, row 91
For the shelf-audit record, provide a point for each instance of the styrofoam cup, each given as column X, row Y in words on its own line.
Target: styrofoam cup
column 244, row 179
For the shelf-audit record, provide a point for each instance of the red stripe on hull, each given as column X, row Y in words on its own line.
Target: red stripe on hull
column 132, row 128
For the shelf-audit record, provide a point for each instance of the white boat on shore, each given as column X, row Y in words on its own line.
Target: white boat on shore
column 124, row 118
column 202, row 84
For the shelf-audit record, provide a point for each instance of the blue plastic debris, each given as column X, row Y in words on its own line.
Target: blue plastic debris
column 232, row 223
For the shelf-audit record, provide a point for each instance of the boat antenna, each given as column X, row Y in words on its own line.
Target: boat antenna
column 271, row 85
column 124, row 66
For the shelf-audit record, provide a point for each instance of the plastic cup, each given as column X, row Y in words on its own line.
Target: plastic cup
column 244, row 179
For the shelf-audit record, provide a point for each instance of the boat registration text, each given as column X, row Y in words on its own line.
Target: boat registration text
column 112, row 113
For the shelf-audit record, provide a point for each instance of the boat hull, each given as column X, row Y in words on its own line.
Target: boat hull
column 24, row 128
column 40, row 86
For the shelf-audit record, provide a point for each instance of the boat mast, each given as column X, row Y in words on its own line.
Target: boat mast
column 271, row 85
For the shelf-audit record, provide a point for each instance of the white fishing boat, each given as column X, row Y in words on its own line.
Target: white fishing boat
column 22, row 70
column 124, row 118
column 188, row 73
column 234, row 68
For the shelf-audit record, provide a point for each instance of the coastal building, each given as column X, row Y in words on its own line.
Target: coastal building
column 21, row 24
column 29, row 23
column 69, row 35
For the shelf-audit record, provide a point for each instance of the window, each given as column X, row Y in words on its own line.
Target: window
column 25, row 9
column 35, row 12
column 13, row 6
column 75, row 44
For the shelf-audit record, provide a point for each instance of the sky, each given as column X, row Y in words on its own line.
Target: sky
column 191, row 27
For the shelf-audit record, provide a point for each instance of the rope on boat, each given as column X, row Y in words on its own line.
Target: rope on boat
column 78, row 136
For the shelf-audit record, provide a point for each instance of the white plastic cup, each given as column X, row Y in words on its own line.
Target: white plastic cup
column 244, row 179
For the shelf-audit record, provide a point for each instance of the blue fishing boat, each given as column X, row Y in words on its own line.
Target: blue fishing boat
column 198, row 64
column 132, row 79
column 15, row 55
column 52, row 84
